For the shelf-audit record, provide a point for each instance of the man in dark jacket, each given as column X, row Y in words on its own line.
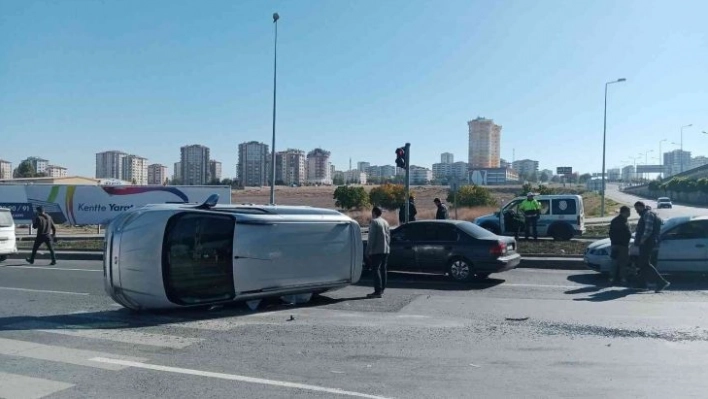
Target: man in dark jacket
column 646, row 239
column 442, row 209
column 620, row 235
column 46, row 232
column 411, row 211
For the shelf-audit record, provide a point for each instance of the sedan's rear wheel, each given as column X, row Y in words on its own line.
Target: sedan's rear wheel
column 3, row 258
column 460, row 270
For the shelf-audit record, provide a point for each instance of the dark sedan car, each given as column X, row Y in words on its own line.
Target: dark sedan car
column 462, row 250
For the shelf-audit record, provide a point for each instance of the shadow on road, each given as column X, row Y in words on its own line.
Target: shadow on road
column 125, row 319
column 679, row 282
column 609, row 295
column 428, row 282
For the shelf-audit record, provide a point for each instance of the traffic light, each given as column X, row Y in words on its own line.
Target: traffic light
column 401, row 158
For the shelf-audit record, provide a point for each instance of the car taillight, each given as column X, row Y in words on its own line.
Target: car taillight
column 498, row 249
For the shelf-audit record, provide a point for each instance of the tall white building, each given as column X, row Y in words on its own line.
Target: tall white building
column 442, row 170
column 525, row 167
column 447, row 157
column 484, row 143
column 290, row 167
column 177, row 172
column 384, row 172
column 319, row 167
column 157, row 174
column 214, row 170
column 253, row 164
column 55, row 171
column 354, row 177
column 194, row 161
column 363, row 166
column 5, row 170
column 135, row 170
column 698, row 161
column 109, row 164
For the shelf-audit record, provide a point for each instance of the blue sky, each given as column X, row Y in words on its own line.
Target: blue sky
column 358, row 78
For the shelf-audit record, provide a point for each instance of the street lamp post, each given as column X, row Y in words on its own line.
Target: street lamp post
column 682, row 127
column 604, row 140
column 276, row 17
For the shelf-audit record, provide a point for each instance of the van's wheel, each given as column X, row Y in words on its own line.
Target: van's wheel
column 562, row 233
column 494, row 229
column 460, row 270
column 3, row 258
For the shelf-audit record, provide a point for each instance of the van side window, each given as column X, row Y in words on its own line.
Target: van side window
column 564, row 206
column 545, row 207
column 197, row 258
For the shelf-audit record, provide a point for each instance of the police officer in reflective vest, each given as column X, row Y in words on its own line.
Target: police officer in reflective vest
column 532, row 211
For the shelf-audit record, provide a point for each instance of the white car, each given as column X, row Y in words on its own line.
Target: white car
column 683, row 247
column 664, row 202
column 8, row 242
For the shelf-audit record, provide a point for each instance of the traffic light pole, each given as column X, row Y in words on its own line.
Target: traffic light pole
column 407, row 155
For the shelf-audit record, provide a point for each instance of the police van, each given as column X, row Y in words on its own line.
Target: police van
column 562, row 217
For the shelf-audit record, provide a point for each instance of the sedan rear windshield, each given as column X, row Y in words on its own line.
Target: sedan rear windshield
column 6, row 219
column 475, row 231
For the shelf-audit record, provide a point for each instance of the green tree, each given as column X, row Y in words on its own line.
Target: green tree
column 388, row 196
column 584, row 178
column 654, row 186
column 470, row 196
column 350, row 197
column 703, row 185
column 25, row 170
column 544, row 177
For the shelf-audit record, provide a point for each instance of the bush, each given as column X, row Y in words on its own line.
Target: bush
column 388, row 196
column 350, row 197
column 470, row 196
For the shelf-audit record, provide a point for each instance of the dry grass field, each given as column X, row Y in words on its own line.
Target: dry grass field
column 322, row 197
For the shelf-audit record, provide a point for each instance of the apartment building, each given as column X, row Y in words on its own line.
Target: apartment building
column 194, row 165
column 319, row 167
column 157, row 174
column 484, row 143
column 5, row 170
column 290, row 167
column 109, row 165
column 253, row 164
column 525, row 167
column 135, row 170
column 55, row 171
column 214, row 170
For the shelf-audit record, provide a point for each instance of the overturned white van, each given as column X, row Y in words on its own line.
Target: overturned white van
column 180, row 255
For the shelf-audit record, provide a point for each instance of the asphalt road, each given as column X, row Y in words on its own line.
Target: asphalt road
column 528, row 333
column 614, row 193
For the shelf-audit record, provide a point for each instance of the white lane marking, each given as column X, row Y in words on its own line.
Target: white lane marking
column 79, row 357
column 51, row 268
column 43, row 291
column 233, row 377
column 110, row 332
column 13, row 386
column 552, row 271
column 548, row 286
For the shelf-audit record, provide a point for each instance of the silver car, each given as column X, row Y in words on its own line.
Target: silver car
column 683, row 247
column 181, row 255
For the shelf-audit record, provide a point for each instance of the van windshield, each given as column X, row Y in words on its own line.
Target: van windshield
column 6, row 219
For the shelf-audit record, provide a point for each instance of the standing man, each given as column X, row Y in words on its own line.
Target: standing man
column 531, row 210
column 620, row 235
column 442, row 209
column 646, row 238
column 411, row 211
column 46, row 232
column 378, row 247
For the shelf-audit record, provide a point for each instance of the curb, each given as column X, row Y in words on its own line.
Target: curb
column 61, row 255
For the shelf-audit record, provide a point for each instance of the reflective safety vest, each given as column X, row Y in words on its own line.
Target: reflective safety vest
column 531, row 207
